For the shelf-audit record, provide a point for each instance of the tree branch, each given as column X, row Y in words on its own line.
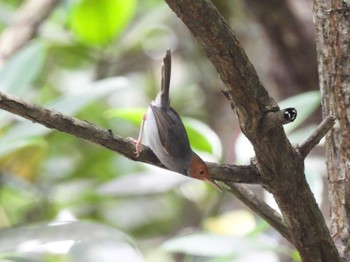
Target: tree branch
column 261, row 208
column 275, row 119
column 24, row 26
column 317, row 135
column 281, row 166
column 106, row 138
column 220, row 45
column 229, row 174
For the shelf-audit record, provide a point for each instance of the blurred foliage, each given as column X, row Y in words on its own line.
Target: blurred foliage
column 100, row 22
column 65, row 199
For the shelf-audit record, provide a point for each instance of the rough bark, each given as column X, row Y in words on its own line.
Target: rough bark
column 22, row 29
column 333, row 47
column 85, row 130
column 106, row 138
column 230, row 174
column 280, row 165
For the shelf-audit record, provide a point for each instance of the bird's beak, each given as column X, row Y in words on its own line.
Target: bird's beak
column 214, row 183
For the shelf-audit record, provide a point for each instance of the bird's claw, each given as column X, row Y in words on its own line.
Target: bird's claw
column 138, row 149
column 138, row 146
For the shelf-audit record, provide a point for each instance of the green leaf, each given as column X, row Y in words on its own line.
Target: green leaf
column 84, row 239
column 305, row 103
column 212, row 245
column 296, row 256
column 236, row 223
column 19, row 135
column 22, row 69
column 99, row 22
column 143, row 26
column 70, row 104
column 8, row 146
column 147, row 183
column 202, row 137
column 106, row 250
column 17, row 197
column 131, row 115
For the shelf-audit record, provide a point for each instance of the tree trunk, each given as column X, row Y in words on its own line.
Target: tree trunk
column 333, row 50
column 280, row 165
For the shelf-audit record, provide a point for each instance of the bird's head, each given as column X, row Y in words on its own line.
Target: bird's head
column 199, row 170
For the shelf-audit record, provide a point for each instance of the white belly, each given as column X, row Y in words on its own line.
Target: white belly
column 152, row 136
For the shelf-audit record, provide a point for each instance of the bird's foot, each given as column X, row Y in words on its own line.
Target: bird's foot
column 138, row 146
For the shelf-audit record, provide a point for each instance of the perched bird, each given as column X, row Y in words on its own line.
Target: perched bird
column 167, row 135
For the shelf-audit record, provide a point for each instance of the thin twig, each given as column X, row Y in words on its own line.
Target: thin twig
column 317, row 135
column 83, row 129
column 260, row 207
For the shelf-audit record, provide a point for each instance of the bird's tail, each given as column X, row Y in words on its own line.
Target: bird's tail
column 165, row 86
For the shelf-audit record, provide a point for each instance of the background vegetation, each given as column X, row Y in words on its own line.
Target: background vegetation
column 64, row 199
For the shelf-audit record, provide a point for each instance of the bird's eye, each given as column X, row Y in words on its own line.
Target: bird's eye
column 202, row 172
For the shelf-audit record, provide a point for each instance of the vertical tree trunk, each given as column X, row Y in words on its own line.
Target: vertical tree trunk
column 281, row 166
column 332, row 19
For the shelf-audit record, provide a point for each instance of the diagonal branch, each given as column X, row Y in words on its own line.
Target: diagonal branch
column 317, row 135
column 22, row 30
column 229, row 174
column 281, row 166
column 250, row 199
column 222, row 48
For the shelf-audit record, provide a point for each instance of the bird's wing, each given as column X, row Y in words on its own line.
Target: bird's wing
column 172, row 133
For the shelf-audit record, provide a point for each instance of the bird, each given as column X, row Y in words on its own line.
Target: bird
column 167, row 135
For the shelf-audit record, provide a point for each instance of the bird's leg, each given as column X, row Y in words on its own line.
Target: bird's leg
column 138, row 148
